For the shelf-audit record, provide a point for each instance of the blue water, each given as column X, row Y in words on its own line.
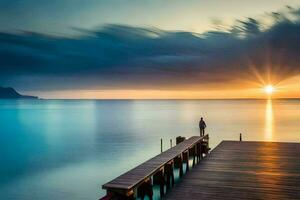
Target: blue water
column 66, row 149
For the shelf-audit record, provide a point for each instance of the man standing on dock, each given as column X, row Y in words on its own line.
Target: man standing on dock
column 202, row 126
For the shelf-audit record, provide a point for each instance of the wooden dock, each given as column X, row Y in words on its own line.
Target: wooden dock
column 159, row 170
column 244, row 170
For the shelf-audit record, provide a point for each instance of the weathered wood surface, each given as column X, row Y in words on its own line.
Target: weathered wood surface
column 244, row 170
column 134, row 177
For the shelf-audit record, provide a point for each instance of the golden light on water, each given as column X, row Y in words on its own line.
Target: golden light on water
column 269, row 121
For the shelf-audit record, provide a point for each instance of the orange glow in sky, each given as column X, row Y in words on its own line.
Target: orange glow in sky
column 288, row 88
column 285, row 91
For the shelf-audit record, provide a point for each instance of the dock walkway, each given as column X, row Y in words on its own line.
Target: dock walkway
column 244, row 170
column 158, row 169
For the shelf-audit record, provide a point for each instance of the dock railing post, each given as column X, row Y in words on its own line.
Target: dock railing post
column 241, row 139
column 161, row 145
column 171, row 143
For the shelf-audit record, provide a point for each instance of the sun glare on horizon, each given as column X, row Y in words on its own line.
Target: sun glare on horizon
column 269, row 89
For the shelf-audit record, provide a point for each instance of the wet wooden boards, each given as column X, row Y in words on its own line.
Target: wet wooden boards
column 244, row 170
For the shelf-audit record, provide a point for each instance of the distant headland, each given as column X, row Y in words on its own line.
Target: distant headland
column 11, row 93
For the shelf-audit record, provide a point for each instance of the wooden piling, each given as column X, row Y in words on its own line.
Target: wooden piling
column 194, row 155
column 186, row 160
column 160, row 180
column 178, row 163
column 169, row 174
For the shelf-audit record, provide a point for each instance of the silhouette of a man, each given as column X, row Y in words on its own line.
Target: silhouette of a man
column 202, row 126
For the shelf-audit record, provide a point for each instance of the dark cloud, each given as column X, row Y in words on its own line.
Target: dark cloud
column 119, row 56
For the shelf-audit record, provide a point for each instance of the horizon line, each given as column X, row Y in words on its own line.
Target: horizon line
column 284, row 98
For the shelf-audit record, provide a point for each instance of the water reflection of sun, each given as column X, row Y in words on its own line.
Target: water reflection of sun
column 269, row 120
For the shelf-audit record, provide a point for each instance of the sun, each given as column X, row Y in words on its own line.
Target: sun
column 269, row 89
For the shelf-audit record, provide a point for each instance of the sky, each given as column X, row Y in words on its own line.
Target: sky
column 169, row 49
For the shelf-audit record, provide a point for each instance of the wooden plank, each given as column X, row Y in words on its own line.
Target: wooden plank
column 132, row 178
column 244, row 170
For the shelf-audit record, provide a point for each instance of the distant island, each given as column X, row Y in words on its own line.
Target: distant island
column 11, row 93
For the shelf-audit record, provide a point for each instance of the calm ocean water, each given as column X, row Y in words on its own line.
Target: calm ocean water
column 59, row 149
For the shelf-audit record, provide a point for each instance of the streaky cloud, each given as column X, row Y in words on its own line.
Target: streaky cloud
column 117, row 56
